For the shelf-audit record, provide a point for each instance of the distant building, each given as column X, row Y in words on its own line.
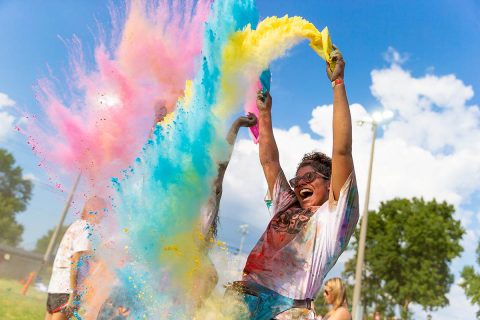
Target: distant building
column 17, row 263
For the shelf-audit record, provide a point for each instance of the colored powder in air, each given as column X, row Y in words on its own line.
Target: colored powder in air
column 159, row 200
column 251, row 51
column 262, row 84
column 101, row 125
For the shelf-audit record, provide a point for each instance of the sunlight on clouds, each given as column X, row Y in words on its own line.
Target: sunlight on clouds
column 108, row 100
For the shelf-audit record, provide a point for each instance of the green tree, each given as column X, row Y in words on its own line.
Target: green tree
column 471, row 282
column 42, row 243
column 410, row 245
column 15, row 192
column 373, row 297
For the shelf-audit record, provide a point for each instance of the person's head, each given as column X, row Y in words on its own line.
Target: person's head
column 160, row 111
column 335, row 293
column 93, row 209
column 312, row 181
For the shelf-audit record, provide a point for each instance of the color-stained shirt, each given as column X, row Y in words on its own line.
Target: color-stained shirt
column 75, row 239
column 300, row 246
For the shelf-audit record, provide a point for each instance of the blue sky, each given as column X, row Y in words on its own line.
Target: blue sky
column 433, row 44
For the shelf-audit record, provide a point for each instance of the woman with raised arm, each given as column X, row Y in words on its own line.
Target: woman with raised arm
column 314, row 215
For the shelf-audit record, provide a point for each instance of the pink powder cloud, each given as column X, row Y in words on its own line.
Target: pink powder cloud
column 109, row 114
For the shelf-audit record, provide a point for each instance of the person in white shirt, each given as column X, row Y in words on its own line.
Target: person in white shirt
column 72, row 256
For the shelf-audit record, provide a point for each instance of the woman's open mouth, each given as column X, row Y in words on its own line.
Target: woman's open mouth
column 305, row 193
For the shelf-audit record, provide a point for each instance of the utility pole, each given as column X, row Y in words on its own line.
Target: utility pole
column 357, row 312
column 53, row 239
column 376, row 118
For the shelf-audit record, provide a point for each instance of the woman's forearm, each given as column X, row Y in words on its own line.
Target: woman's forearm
column 342, row 122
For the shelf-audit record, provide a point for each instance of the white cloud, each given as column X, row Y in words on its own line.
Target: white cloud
column 465, row 217
column 392, row 56
column 5, row 101
column 30, row 176
column 469, row 243
column 6, row 119
column 459, row 307
column 431, row 148
column 397, row 89
column 6, row 125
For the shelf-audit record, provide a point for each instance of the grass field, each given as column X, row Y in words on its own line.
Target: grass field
column 15, row 306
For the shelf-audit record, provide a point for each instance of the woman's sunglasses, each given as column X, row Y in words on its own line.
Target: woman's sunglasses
column 307, row 177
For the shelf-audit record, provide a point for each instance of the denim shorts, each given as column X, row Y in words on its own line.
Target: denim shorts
column 262, row 303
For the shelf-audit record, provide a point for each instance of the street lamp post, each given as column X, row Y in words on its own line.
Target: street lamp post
column 363, row 231
column 244, row 232
column 377, row 118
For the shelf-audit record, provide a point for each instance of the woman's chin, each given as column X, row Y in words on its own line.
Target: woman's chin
column 311, row 203
column 307, row 203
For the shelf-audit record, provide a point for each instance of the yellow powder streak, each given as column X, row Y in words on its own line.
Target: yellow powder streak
column 249, row 52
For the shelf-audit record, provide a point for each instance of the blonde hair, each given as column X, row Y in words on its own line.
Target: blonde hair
column 337, row 288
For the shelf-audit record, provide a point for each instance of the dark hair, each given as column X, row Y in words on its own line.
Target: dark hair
column 319, row 161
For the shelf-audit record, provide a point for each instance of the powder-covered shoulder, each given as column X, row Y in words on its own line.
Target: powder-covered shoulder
column 348, row 186
column 283, row 195
column 281, row 184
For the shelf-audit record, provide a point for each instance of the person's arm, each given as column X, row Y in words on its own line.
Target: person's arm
column 268, row 151
column 210, row 220
column 246, row 121
column 342, row 161
column 75, row 259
